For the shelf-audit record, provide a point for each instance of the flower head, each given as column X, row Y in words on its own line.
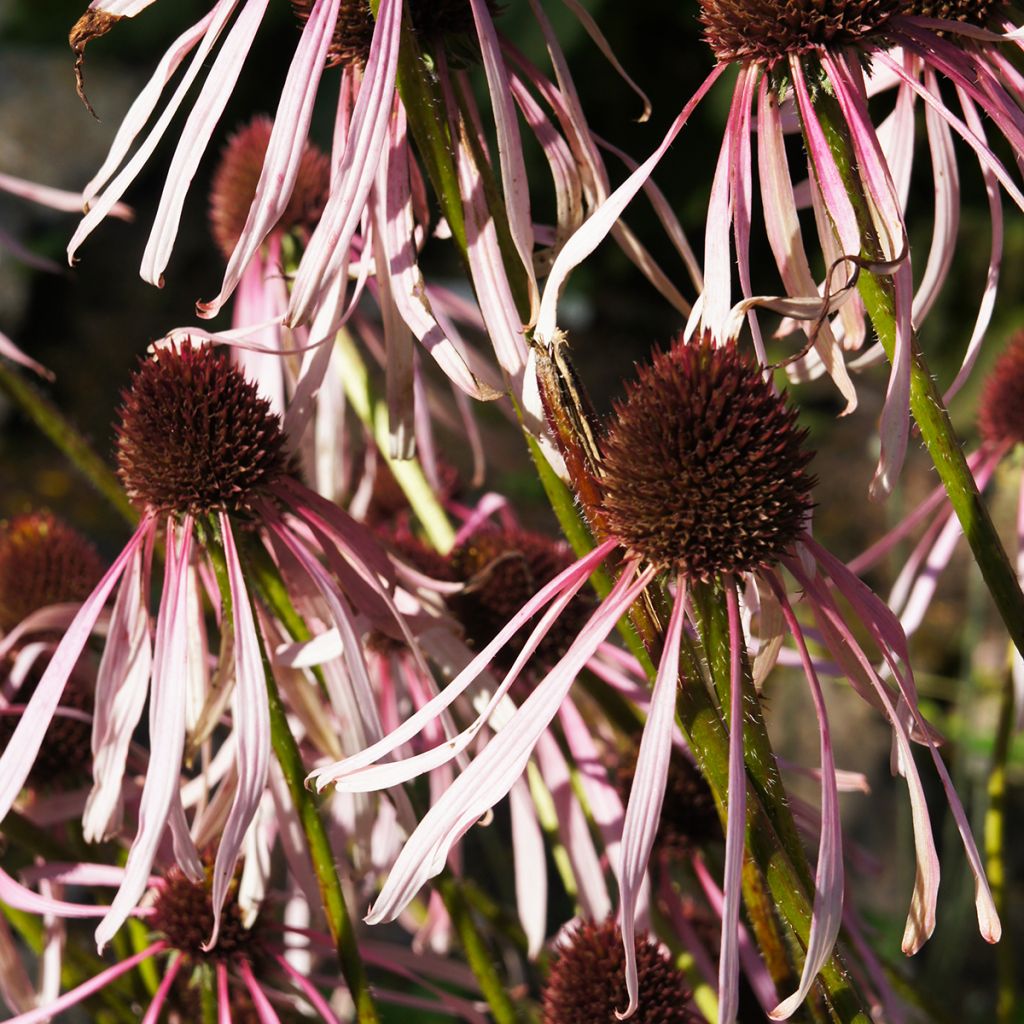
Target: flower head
column 704, row 466
column 43, row 561
column 238, row 174
column 195, row 436
column 586, row 981
column 1001, row 410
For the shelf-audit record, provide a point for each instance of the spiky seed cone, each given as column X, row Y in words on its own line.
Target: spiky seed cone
column 704, row 465
column 502, row 570
column 353, row 33
column 43, row 561
column 195, row 436
column 183, row 915
column 587, row 983
column 1001, row 417
column 974, row 12
column 767, row 30
column 238, row 174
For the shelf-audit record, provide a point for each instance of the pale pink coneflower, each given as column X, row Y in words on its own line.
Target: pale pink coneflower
column 371, row 188
column 1001, row 425
column 204, row 460
column 703, row 481
column 262, row 969
column 785, row 52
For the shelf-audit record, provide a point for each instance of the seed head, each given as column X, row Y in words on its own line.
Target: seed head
column 195, row 436
column 587, row 982
column 238, row 173
column 502, row 570
column 974, row 12
column 183, row 915
column 704, row 465
column 1001, row 419
column 765, row 31
column 43, row 561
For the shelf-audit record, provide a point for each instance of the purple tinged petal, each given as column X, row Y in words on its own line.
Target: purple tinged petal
column 160, row 996
column 15, row 895
column 591, row 888
column 382, row 776
column 122, row 683
column 827, row 912
column 601, row 221
column 166, row 728
column 782, row 225
column 251, row 722
column 840, row 640
column 284, row 149
column 11, row 351
column 223, row 995
column 311, row 993
column 830, row 181
column 204, row 32
column 195, row 137
column 995, row 259
column 429, row 712
column 528, row 858
column 510, row 147
column 87, row 988
column 264, row 1009
column 735, row 829
column 327, row 250
column 985, row 155
column 492, row 773
column 20, row 752
column 647, row 794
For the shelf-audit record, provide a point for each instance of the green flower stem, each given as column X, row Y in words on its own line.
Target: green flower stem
column 772, row 838
column 926, row 403
column 995, row 854
column 479, row 957
column 271, row 589
column 373, row 413
column 287, row 752
column 56, row 427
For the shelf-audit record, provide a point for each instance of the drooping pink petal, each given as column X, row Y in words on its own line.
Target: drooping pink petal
column 827, row 911
column 510, row 147
column 782, row 226
column 285, row 147
column 416, row 722
column 223, row 995
column 988, row 299
column 736, row 824
column 195, row 137
column 264, row 1009
column 309, row 990
column 528, row 859
column 840, row 640
column 160, row 996
column 591, row 887
column 15, row 895
column 166, row 728
column 11, row 351
column 590, row 235
column 251, row 726
column 87, row 988
column 20, row 752
column 491, row 774
column 328, row 247
column 205, row 33
column 647, row 794
column 122, row 683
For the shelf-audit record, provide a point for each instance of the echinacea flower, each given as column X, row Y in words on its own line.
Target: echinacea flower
column 792, row 56
column 703, row 482
column 204, row 460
